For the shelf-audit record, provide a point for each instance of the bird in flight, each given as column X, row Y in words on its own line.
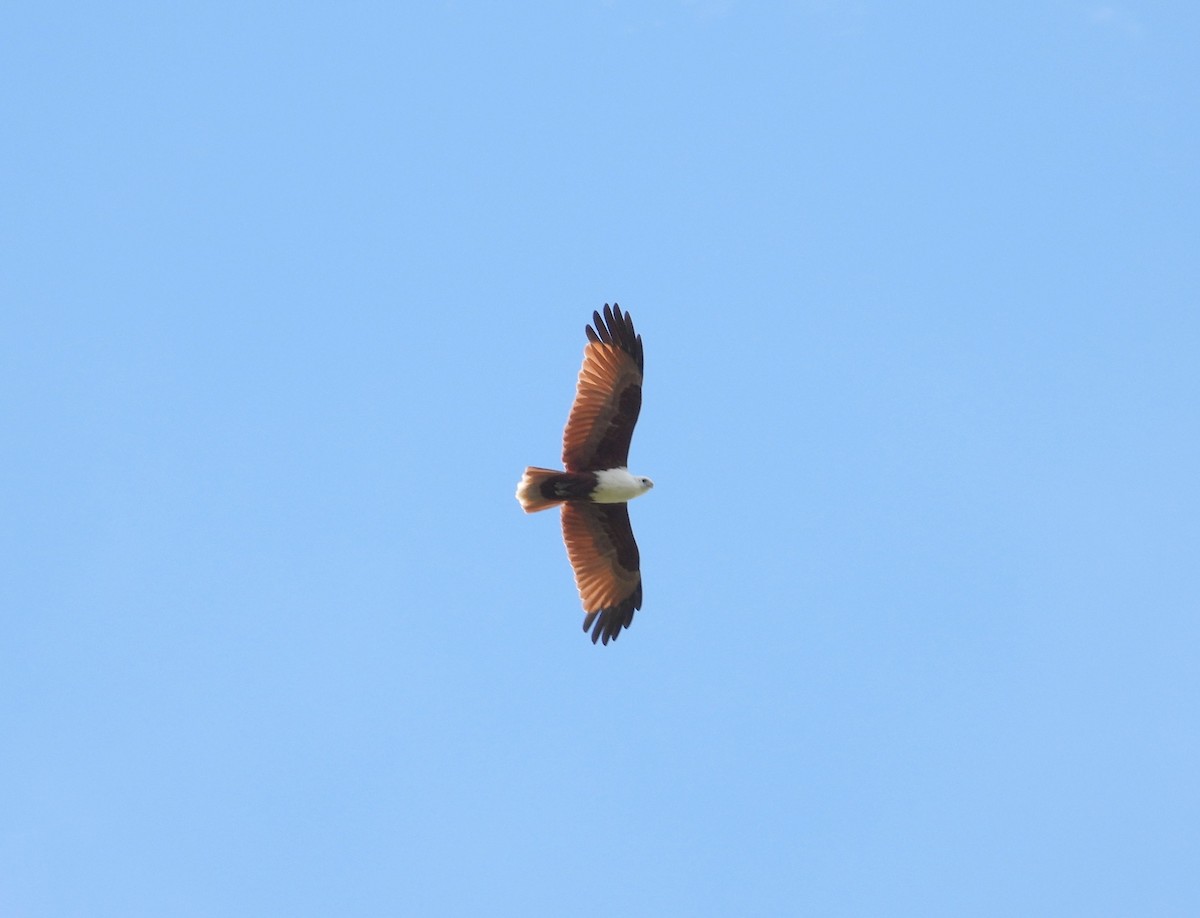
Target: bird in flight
column 596, row 487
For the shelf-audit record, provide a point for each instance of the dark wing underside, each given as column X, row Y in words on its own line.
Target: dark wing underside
column 605, row 559
column 608, row 396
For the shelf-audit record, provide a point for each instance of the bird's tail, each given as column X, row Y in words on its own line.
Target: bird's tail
column 529, row 489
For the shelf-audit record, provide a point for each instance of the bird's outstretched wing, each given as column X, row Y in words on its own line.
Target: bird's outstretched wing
column 608, row 397
column 607, row 568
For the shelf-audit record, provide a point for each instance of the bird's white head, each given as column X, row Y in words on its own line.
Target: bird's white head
column 617, row 486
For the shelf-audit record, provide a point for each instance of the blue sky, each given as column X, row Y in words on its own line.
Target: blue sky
column 292, row 293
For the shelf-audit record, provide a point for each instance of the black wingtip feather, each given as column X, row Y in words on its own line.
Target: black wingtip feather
column 606, row 624
column 616, row 327
column 602, row 327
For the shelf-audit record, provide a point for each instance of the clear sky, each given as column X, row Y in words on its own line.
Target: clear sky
column 291, row 293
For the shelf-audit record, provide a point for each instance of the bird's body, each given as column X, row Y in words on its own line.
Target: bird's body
column 617, row 486
column 543, row 488
column 596, row 486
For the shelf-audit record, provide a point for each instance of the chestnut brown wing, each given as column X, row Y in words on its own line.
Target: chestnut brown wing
column 607, row 565
column 608, row 397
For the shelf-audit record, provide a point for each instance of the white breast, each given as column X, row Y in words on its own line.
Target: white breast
column 615, row 486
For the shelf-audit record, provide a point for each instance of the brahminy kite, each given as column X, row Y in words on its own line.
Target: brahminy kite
column 596, row 486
